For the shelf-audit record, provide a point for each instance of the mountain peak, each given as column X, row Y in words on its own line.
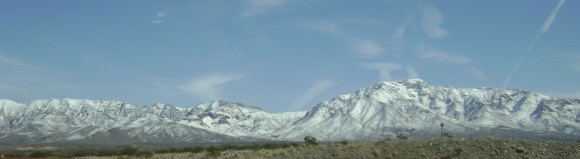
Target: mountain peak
column 221, row 104
column 414, row 80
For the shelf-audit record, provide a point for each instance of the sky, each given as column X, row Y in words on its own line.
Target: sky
column 281, row 55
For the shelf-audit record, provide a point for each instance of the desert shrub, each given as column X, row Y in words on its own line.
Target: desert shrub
column 233, row 147
column 294, row 145
column 40, row 154
column 310, row 140
column 83, row 153
column 105, row 153
column 15, row 154
column 447, row 135
column 129, row 151
column 402, row 136
column 271, row 146
column 173, row 150
column 213, row 151
column 453, row 154
column 144, row 153
column 196, row 149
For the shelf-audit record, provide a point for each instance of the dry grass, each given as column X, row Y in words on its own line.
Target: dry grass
column 432, row 148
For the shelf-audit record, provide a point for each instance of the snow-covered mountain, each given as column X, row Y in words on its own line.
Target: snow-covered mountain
column 115, row 122
column 414, row 106
column 411, row 107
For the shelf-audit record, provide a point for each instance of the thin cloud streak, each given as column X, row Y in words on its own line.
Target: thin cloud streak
column 445, row 57
column 551, row 18
column 576, row 63
column 364, row 47
column 577, row 66
column 547, row 23
column 159, row 17
column 411, row 72
column 258, row 7
column 323, row 26
column 545, row 27
column 431, row 23
column 368, row 48
column 314, row 91
column 399, row 34
column 8, row 61
column 477, row 73
column 384, row 68
column 508, row 78
column 208, row 87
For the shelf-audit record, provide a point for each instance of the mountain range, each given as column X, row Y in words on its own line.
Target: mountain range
column 411, row 107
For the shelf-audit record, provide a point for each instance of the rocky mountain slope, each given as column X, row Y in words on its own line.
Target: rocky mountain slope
column 416, row 107
column 386, row 109
column 115, row 122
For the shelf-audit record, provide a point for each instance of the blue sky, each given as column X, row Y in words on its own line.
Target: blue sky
column 281, row 55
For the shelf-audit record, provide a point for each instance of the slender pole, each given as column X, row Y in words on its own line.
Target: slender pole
column 441, row 132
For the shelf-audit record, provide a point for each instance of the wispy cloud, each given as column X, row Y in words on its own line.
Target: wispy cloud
column 323, row 26
column 477, row 73
column 314, row 91
column 399, row 34
column 431, row 23
column 367, row 48
column 97, row 62
column 576, row 63
column 257, row 7
column 364, row 47
column 576, row 66
column 384, row 68
column 545, row 27
column 159, row 17
column 551, row 18
column 444, row 57
column 411, row 72
column 508, row 78
column 547, row 23
column 208, row 87
column 8, row 61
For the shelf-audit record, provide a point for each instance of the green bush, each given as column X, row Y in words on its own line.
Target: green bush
column 310, row 140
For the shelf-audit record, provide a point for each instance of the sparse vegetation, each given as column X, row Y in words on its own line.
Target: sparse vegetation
column 412, row 148
column 446, row 135
column 402, row 136
column 128, row 151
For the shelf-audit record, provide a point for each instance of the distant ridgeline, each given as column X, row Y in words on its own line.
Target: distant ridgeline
column 412, row 107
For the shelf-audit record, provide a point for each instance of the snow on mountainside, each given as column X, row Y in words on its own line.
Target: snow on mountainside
column 413, row 106
column 236, row 119
column 386, row 109
column 74, row 119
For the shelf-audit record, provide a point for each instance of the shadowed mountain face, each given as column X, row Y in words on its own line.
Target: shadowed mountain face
column 411, row 107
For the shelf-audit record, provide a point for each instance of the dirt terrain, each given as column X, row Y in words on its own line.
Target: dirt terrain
column 420, row 148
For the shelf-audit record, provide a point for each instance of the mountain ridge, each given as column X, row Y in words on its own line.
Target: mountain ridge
column 383, row 110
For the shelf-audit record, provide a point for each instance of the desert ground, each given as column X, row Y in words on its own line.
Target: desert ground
column 419, row 148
